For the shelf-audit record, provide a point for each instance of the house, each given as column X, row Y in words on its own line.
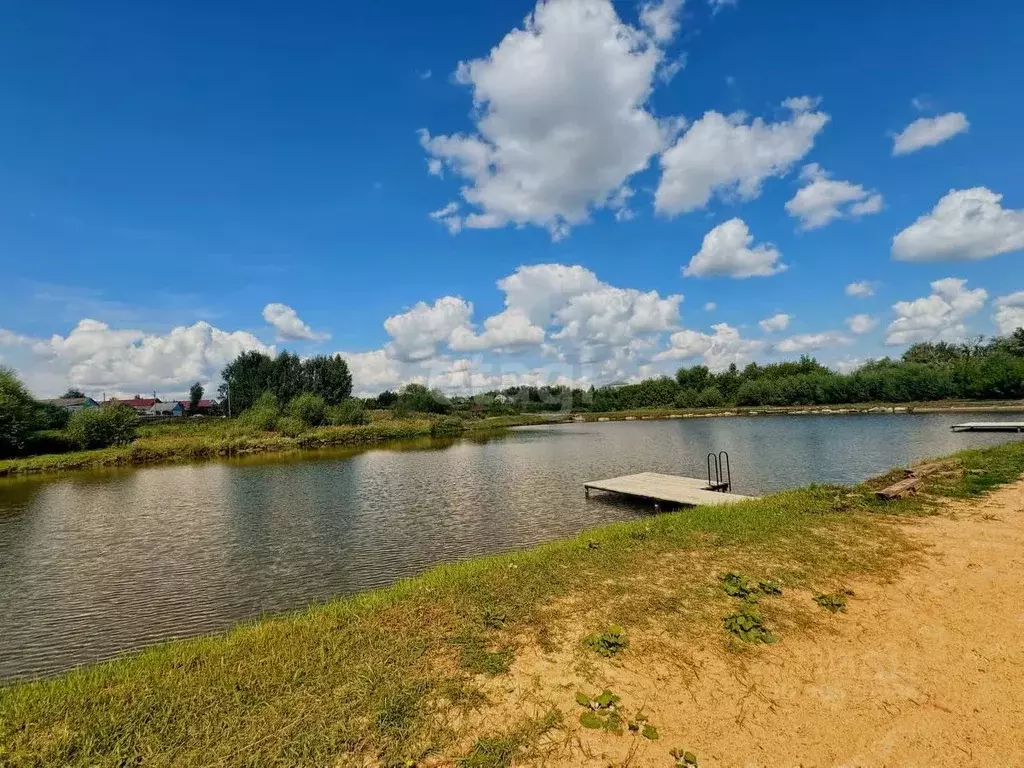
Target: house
column 166, row 409
column 203, row 406
column 73, row 404
column 140, row 404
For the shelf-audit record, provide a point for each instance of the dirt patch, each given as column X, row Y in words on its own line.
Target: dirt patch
column 926, row 669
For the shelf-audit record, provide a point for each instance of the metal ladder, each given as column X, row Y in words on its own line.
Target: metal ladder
column 722, row 479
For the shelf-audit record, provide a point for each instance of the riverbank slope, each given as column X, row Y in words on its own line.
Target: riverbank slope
column 502, row 660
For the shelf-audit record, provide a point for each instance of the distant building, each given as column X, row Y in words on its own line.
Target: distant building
column 166, row 409
column 73, row 404
column 140, row 404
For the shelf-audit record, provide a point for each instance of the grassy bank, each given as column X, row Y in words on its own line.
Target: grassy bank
column 397, row 674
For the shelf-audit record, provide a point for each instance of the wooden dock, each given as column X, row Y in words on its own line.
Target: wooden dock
column 989, row 426
column 670, row 489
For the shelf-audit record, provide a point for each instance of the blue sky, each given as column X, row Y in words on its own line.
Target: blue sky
column 172, row 173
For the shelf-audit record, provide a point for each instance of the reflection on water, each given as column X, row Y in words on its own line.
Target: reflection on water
column 95, row 563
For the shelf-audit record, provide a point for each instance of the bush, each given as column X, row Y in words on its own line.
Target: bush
column 447, row 425
column 262, row 415
column 49, row 441
column 308, row 408
column 710, row 397
column 17, row 414
column 103, row 427
column 292, row 426
column 350, row 413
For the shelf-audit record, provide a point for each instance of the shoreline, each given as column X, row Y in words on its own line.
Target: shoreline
column 337, row 680
column 148, row 450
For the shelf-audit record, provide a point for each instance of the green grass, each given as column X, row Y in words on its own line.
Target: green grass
column 392, row 675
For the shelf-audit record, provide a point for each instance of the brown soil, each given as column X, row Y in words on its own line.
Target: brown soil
column 925, row 670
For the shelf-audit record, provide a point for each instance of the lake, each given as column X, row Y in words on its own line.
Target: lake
column 95, row 563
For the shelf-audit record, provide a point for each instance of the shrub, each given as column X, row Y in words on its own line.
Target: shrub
column 262, row 415
column 17, row 413
column 292, row 426
column 447, row 425
column 103, row 427
column 49, row 441
column 710, row 397
column 308, row 408
column 349, row 413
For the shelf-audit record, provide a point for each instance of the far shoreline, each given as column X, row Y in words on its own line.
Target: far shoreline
column 150, row 451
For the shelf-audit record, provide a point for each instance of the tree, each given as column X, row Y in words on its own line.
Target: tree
column 329, row 377
column 73, row 393
column 246, row 378
column 17, row 413
column 195, row 394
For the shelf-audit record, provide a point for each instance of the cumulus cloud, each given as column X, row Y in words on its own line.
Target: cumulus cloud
column 506, row 330
column 718, row 350
column 861, row 289
column 1009, row 314
column 861, row 323
column 808, row 342
column 96, row 357
column 727, row 156
column 549, row 153
column 449, row 216
column 964, row 224
column 710, row 306
column 416, row 332
column 288, row 325
column 779, row 322
column 728, row 250
column 937, row 317
column 823, row 200
column 562, row 312
column 929, row 132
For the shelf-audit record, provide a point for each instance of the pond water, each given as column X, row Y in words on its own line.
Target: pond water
column 95, row 563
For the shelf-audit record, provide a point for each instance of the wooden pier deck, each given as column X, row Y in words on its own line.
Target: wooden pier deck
column 670, row 489
column 989, row 426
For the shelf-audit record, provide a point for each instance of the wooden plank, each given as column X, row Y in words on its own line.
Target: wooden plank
column 665, row 488
column 900, row 489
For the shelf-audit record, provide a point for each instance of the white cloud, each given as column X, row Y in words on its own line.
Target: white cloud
column 12, row 339
column 718, row 350
column 509, row 329
column 717, row 5
column 562, row 116
column 861, row 323
column 616, row 316
column 542, row 289
column 849, row 364
column 449, row 216
column 965, row 224
column 416, row 332
column 779, row 322
column 939, row 316
column 861, row 289
column 661, row 19
column 929, row 132
column 823, row 200
column 96, row 358
column 726, row 156
column 808, row 342
column 710, row 306
column 727, row 250
column 1009, row 314
column 288, row 325
column 920, row 103
column 425, row 74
